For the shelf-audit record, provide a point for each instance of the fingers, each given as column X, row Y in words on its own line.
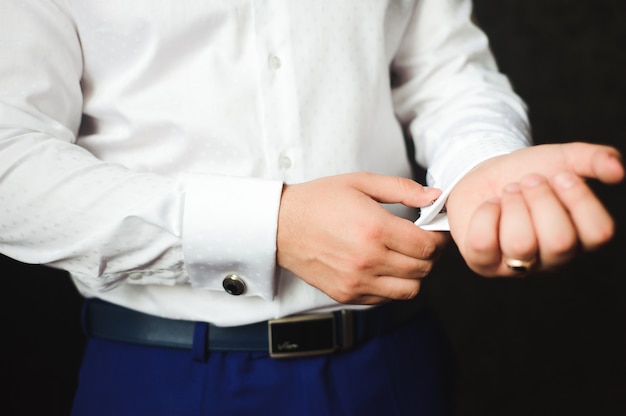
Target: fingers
column 499, row 232
column 402, row 236
column 405, row 267
column 392, row 189
column 517, row 230
column 385, row 274
column 398, row 289
column 594, row 225
column 556, row 235
column 387, row 288
column 394, row 269
column 482, row 246
column 565, row 215
column 370, row 280
column 539, row 225
column 537, row 220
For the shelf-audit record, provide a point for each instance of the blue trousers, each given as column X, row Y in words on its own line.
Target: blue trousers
column 405, row 372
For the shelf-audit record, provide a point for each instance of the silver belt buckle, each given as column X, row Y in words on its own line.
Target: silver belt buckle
column 308, row 335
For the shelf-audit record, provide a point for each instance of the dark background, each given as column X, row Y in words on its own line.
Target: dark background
column 546, row 345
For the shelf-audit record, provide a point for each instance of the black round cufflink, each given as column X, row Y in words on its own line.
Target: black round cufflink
column 233, row 285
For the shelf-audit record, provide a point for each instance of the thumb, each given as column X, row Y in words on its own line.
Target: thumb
column 395, row 189
column 594, row 161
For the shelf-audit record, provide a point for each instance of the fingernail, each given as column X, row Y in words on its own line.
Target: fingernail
column 430, row 190
column 531, row 181
column 565, row 180
column 433, row 192
column 617, row 157
column 512, row 188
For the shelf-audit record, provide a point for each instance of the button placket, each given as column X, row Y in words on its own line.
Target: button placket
column 279, row 98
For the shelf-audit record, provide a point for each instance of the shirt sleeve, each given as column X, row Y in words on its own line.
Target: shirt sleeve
column 106, row 224
column 449, row 93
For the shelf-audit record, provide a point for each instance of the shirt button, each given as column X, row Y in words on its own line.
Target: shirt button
column 274, row 61
column 284, row 162
column 234, row 285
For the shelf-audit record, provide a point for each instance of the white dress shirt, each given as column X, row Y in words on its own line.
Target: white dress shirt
column 144, row 144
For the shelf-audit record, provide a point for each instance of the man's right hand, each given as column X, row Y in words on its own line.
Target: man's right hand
column 334, row 234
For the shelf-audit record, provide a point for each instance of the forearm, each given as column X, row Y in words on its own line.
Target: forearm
column 457, row 107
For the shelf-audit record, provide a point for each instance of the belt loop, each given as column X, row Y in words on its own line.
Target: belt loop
column 200, row 349
column 347, row 327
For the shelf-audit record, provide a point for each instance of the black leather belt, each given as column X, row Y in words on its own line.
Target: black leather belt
column 295, row 336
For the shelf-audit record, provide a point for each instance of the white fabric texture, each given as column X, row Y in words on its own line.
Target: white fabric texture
column 144, row 144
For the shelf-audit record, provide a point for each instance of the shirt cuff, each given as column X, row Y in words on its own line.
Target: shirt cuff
column 446, row 175
column 229, row 228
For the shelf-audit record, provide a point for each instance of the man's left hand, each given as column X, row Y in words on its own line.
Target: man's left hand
column 532, row 208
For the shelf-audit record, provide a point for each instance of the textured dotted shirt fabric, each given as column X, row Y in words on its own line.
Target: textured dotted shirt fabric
column 144, row 144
